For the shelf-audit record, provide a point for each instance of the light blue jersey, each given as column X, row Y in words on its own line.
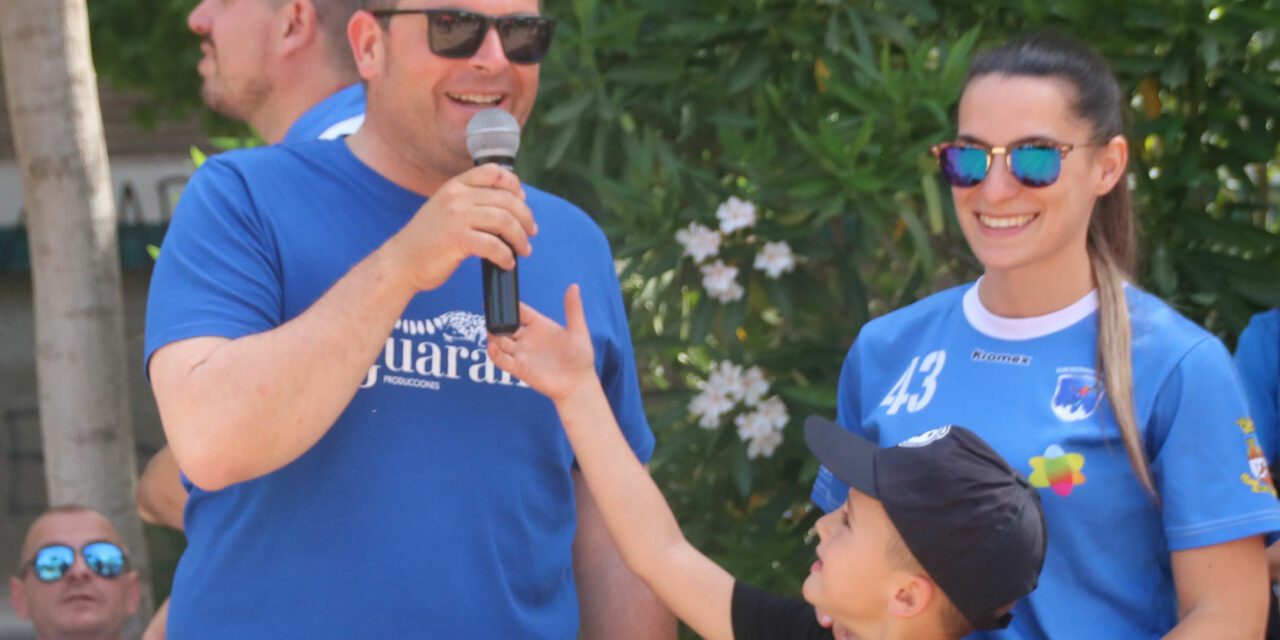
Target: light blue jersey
column 1030, row 388
column 338, row 115
column 441, row 502
column 1258, row 357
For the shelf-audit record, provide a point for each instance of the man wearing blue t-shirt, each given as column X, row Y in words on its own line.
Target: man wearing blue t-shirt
column 317, row 349
column 284, row 68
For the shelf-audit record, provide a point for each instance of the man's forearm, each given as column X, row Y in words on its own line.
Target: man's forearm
column 252, row 405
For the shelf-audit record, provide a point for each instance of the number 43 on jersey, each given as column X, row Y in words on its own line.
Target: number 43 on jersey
column 906, row 392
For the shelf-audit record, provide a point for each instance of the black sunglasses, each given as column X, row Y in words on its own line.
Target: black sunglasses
column 104, row 558
column 1034, row 164
column 458, row 34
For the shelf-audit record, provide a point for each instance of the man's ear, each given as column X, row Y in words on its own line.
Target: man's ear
column 1112, row 158
column 368, row 46
column 18, row 598
column 133, row 594
column 297, row 26
column 913, row 595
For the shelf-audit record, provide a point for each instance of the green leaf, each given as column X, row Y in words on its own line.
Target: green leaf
column 570, row 109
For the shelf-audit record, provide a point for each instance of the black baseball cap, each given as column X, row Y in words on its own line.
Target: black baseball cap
column 973, row 523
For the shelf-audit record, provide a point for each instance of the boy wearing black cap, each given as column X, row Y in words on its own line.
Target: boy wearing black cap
column 938, row 537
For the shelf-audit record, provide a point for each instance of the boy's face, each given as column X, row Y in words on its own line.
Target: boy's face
column 853, row 578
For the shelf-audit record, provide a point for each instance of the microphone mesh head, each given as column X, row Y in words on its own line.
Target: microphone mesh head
column 493, row 132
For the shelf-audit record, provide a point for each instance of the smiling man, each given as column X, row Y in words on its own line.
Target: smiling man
column 73, row 579
column 361, row 468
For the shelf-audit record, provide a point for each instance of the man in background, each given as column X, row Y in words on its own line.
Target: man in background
column 73, row 579
column 285, row 69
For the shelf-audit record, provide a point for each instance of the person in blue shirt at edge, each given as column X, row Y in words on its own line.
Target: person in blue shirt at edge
column 1258, row 358
column 1129, row 419
column 936, row 537
column 316, row 346
column 286, row 70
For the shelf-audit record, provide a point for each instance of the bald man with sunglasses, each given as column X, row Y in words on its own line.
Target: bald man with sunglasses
column 73, row 579
column 316, row 344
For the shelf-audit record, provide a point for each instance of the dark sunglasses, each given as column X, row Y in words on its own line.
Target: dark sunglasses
column 106, row 559
column 1034, row 164
column 457, row 34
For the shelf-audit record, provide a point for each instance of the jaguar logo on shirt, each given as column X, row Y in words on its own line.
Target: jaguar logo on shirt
column 421, row 352
column 1078, row 394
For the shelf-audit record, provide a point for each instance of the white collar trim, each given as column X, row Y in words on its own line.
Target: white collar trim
column 1003, row 328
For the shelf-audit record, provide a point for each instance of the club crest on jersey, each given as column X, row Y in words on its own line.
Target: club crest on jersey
column 1078, row 394
column 1259, row 476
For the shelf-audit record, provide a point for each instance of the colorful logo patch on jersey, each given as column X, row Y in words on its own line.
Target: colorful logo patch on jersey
column 1077, row 396
column 1057, row 470
column 1259, row 476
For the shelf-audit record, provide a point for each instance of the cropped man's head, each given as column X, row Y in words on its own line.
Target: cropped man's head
column 245, row 41
column 73, row 578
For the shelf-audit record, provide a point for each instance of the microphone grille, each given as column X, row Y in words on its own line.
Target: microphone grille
column 493, row 132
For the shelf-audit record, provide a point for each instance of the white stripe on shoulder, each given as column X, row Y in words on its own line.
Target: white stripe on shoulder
column 343, row 128
column 1002, row 328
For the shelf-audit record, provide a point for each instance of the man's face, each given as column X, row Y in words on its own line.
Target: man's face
column 234, row 36
column 427, row 100
column 80, row 603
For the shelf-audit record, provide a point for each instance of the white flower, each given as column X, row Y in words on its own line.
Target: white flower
column 736, row 214
column 774, row 413
column 775, row 259
column 721, row 281
column 754, row 386
column 699, row 242
column 764, row 445
column 752, row 425
column 710, row 405
column 727, row 377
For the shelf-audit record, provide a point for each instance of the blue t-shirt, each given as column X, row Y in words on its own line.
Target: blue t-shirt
column 440, row 504
column 1258, row 357
column 1028, row 386
column 338, row 115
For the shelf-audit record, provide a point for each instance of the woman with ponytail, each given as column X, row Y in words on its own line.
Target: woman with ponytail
column 1128, row 418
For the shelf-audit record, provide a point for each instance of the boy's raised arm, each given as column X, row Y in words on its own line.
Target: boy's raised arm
column 559, row 363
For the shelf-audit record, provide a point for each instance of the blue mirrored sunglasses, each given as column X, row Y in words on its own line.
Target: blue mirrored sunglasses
column 1034, row 164
column 52, row 562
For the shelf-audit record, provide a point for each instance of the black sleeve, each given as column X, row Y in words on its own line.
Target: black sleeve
column 760, row 615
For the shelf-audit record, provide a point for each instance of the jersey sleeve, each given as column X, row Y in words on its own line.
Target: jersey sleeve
column 762, row 615
column 1258, row 359
column 829, row 492
column 1213, row 480
column 618, row 373
column 218, row 271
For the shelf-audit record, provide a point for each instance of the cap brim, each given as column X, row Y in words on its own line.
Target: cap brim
column 850, row 457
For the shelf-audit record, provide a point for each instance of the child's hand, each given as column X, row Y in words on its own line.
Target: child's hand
column 553, row 360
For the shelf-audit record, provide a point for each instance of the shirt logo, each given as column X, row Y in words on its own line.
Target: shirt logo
column 1057, row 470
column 421, row 352
column 1078, row 394
column 979, row 355
column 925, row 438
column 1259, row 476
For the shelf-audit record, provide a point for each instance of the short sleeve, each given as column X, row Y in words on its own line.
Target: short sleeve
column 762, row 615
column 218, row 270
column 1213, row 480
column 829, row 492
column 1258, row 359
column 618, row 375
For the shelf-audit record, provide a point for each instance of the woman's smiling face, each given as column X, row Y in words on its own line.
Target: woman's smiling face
column 1010, row 226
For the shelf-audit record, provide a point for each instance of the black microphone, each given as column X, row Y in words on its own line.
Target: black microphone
column 493, row 135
